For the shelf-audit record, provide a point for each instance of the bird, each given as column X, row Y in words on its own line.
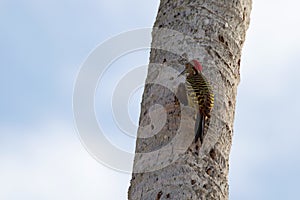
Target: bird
column 199, row 94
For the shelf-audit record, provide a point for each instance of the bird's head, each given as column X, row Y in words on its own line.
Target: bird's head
column 191, row 68
column 196, row 64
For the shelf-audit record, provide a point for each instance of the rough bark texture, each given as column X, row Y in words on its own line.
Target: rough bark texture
column 167, row 164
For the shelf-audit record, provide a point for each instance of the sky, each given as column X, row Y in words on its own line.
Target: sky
column 43, row 48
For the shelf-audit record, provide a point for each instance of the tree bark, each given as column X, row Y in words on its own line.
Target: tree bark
column 168, row 165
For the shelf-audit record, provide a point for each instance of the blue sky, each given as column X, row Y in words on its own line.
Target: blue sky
column 44, row 43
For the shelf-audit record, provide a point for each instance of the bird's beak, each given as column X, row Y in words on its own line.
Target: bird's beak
column 181, row 73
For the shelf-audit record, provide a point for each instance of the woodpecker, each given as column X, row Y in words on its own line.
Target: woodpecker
column 199, row 95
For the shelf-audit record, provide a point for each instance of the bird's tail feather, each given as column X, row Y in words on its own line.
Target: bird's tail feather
column 200, row 123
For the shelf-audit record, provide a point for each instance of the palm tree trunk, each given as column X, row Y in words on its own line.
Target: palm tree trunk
column 168, row 165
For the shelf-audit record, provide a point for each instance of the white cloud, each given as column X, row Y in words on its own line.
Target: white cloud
column 271, row 43
column 50, row 163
